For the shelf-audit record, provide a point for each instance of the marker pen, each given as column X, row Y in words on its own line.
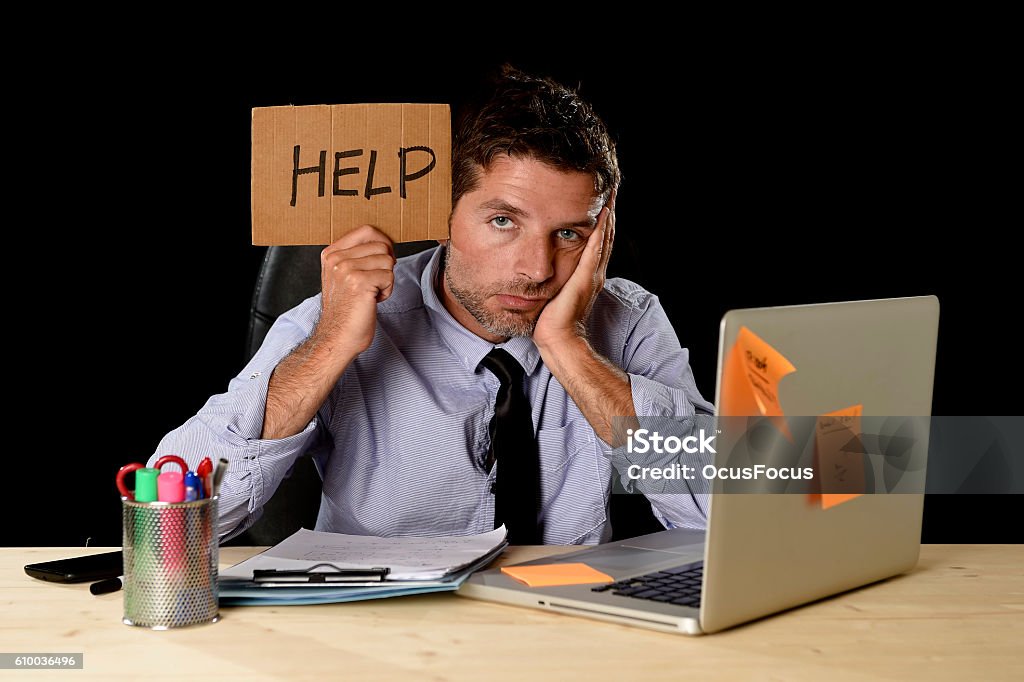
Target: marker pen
column 171, row 487
column 204, row 470
column 193, row 487
column 107, row 586
column 145, row 484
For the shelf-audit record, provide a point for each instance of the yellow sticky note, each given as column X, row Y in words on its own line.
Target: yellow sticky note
column 750, row 380
column 546, row 575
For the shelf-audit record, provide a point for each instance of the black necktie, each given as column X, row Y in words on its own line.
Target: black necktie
column 514, row 447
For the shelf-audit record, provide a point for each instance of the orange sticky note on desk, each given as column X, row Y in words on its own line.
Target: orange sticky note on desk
column 546, row 575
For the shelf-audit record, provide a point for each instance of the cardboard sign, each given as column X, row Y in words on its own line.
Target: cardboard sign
column 321, row 171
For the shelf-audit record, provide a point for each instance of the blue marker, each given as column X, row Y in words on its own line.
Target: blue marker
column 193, row 487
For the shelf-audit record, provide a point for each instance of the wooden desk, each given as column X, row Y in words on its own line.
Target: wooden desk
column 958, row 615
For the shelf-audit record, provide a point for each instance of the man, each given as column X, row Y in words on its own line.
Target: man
column 475, row 383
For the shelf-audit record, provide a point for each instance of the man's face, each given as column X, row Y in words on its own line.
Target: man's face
column 515, row 240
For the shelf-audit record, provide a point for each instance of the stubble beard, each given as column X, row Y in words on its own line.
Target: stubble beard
column 507, row 323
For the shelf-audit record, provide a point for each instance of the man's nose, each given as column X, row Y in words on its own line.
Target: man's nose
column 535, row 258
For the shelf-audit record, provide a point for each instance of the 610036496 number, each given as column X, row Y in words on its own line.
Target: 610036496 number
column 15, row 660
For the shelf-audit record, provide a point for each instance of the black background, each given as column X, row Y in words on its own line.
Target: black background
column 770, row 176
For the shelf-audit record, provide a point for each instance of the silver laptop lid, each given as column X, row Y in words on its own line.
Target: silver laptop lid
column 772, row 551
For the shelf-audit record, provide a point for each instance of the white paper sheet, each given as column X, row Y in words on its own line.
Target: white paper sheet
column 409, row 558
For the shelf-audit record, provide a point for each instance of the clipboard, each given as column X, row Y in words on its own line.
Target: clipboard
column 311, row 576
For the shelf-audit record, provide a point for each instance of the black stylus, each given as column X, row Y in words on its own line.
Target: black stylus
column 105, row 586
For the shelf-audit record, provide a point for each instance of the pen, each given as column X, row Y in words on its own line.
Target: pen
column 193, row 487
column 106, row 586
column 222, row 466
column 204, row 470
column 171, row 523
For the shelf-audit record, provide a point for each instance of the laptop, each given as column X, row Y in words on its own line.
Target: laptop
column 764, row 552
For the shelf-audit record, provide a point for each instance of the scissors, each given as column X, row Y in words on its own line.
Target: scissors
column 145, row 478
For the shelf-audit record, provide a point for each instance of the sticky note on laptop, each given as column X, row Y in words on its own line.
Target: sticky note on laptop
column 839, row 456
column 547, row 575
column 750, row 380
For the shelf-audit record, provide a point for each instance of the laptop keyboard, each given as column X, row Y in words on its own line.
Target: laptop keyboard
column 675, row 586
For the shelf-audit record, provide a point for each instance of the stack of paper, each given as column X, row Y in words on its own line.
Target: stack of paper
column 314, row 563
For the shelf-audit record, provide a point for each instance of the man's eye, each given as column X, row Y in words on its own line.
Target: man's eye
column 569, row 235
column 507, row 223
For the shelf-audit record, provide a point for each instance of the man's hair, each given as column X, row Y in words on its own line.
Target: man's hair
column 529, row 116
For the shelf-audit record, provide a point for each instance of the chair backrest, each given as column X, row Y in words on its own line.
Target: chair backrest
column 288, row 276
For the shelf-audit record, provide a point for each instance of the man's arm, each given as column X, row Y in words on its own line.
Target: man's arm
column 268, row 417
column 600, row 389
column 300, row 384
column 666, row 400
column 356, row 273
column 656, row 391
column 230, row 425
column 656, row 381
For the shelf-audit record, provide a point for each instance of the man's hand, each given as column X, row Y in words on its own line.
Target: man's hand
column 356, row 273
column 563, row 317
column 600, row 389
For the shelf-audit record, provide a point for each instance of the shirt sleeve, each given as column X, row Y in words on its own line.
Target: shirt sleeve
column 229, row 425
column 666, row 400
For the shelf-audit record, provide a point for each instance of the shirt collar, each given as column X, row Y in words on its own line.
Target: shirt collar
column 469, row 348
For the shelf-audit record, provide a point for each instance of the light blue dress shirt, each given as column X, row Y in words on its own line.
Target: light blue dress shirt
column 401, row 441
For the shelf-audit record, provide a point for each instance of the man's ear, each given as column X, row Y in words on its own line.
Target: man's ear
column 443, row 242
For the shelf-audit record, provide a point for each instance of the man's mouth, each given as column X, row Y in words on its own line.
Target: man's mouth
column 519, row 302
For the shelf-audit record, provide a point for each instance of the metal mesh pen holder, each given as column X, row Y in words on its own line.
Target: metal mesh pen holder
column 170, row 563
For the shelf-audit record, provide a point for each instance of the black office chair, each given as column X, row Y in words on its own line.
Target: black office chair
column 288, row 276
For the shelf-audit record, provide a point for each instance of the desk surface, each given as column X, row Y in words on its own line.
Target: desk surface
column 958, row 615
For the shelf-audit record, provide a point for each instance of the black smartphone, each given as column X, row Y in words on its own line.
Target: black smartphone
column 79, row 569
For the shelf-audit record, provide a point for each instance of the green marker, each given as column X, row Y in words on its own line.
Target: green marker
column 145, row 484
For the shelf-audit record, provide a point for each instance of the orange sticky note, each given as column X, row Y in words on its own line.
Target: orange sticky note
column 546, row 575
column 839, row 455
column 832, row 499
column 751, row 378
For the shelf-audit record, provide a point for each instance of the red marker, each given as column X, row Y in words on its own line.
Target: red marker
column 204, row 471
